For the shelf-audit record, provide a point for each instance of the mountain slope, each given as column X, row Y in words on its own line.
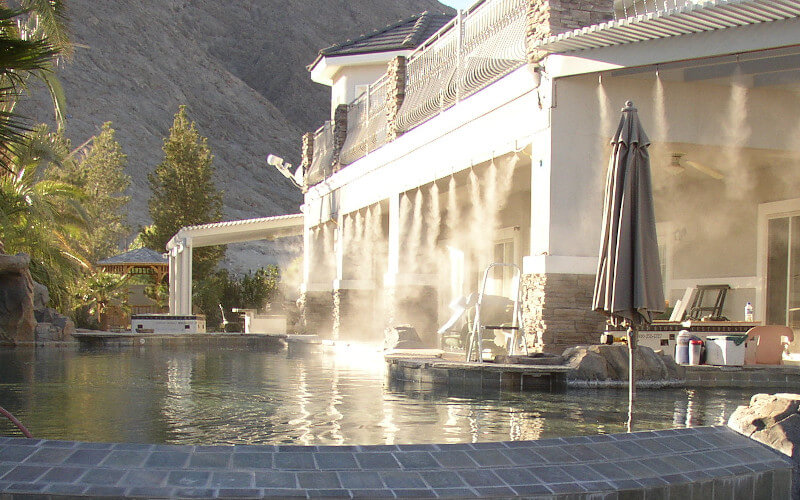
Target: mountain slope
column 239, row 66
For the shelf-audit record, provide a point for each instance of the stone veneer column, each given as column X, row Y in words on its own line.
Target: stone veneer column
column 551, row 17
column 355, row 315
column 317, row 313
column 557, row 306
column 339, row 133
column 414, row 305
column 307, row 154
column 395, row 94
column 557, row 310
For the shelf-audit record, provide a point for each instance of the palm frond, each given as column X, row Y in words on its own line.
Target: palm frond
column 50, row 21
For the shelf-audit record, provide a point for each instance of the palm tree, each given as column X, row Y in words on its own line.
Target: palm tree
column 41, row 216
column 32, row 38
column 102, row 290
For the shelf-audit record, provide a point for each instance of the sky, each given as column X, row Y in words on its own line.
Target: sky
column 458, row 4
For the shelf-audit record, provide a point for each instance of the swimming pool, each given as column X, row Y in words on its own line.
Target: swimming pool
column 236, row 396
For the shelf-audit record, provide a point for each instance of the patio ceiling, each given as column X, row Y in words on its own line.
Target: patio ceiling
column 716, row 157
column 702, row 17
column 222, row 233
column 776, row 68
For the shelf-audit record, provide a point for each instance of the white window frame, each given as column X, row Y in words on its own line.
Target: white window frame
column 767, row 211
column 666, row 235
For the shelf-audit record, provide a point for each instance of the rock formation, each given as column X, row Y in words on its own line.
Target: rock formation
column 24, row 315
column 773, row 419
column 17, row 322
column 609, row 363
column 51, row 326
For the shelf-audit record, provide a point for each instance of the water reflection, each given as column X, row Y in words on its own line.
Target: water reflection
column 234, row 396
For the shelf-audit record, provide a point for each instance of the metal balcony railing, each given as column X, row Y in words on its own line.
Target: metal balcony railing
column 468, row 54
column 632, row 8
column 366, row 123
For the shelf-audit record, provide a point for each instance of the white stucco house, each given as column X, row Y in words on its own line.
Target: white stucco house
column 457, row 142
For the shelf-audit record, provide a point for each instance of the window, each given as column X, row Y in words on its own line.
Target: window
column 501, row 280
column 667, row 235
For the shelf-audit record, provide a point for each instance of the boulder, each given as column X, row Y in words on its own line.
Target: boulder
column 773, row 419
column 52, row 326
column 17, row 322
column 586, row 364
column 610, row 362
column 41, row 296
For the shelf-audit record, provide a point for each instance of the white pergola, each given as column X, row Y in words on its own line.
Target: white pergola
column 180, row 248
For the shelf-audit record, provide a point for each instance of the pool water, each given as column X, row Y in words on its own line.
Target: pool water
column 235, row 396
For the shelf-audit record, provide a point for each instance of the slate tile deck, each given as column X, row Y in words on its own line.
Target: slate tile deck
column 707, row 462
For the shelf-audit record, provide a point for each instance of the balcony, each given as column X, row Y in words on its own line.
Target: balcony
column 475, row 49
column 487, row 42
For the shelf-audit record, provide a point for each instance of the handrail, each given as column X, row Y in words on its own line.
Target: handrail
column 322, row 160
column 366, row 122
column 16, row 422
column 469, row 53
column 466, row 55
column 633, row 8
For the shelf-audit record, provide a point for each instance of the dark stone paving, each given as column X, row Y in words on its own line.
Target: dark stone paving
column 697, row 463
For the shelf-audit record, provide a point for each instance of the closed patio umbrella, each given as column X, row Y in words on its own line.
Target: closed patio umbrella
column 628, row 284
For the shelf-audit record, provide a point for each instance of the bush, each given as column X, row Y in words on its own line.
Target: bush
column 253, row 290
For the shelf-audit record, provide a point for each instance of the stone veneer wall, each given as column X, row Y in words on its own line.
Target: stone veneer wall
column 317, row 313
column 395, row 94
column 557, row 311
column 551, row 17
column 307, row 155
column 339, row 133
column 413, row 305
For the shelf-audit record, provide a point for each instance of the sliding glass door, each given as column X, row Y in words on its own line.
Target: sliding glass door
column 783, row 271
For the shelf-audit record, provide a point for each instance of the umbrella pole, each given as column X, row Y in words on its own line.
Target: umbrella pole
column 631, row 370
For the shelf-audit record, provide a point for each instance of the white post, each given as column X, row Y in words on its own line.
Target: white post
column 185, row 283
column 541, row 182
column 308, row 254
column 173, row 281
column 393, row 265
column 339, row 248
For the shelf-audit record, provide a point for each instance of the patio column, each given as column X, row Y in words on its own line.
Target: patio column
column 410, row 298
column 355, row 305
column 558, row 274
column 307, row 157
column 185, row 282
column 551, row 17
column 339, row 133
column 173, row 272
column 180, row 278
column 316, row 300
column 395, row 95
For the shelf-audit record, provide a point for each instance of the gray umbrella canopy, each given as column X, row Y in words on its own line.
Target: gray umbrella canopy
column 628, row 285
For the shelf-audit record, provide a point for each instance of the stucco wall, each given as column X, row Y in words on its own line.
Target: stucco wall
column 749, row 135
column 347, row 79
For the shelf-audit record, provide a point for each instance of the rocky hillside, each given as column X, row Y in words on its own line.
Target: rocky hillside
column 238, row 65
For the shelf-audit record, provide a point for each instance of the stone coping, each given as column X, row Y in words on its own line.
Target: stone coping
column 186, row 336
column 429, row 362
column 436, row 370
column 702, row 462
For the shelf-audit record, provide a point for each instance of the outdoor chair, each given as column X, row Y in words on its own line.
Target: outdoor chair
column 769, row 344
